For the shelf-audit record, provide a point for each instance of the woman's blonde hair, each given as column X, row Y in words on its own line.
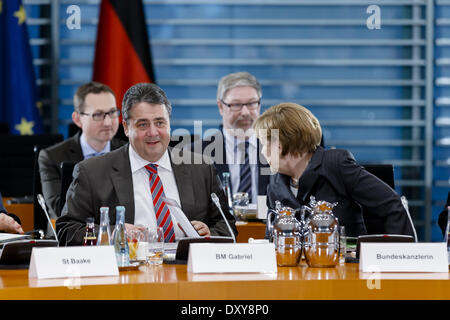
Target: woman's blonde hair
column 299, row 130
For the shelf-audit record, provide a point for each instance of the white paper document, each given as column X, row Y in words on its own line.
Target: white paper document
column 183, row 221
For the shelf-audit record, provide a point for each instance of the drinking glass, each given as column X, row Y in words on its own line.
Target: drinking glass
column 240, row 204
column 142, row 248
column 133, row 243
column 155, row 239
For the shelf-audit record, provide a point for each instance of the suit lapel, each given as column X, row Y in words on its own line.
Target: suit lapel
column 123, row 183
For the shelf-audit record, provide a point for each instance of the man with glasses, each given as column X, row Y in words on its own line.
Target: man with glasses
column 96, row 114
column 236, row 149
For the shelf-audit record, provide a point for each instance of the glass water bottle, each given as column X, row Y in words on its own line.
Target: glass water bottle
column 104, row 238
column 120, row 239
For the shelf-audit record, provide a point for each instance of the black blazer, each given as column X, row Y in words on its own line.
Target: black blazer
column 107, row 181
column 443, row 216
column 50, row 160
column 334, row 176
column 221, row 166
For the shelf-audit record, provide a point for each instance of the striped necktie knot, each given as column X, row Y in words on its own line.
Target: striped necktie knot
column 152, row 168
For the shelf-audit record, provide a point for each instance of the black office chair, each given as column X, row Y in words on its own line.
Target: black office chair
column 17, row 162
column 385, row 172
column 66, row 180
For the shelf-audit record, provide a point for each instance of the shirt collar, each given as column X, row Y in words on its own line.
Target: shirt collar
column 137, row 162
column 88, row 151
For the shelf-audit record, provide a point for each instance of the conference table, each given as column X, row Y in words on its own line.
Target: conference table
column 173, row 282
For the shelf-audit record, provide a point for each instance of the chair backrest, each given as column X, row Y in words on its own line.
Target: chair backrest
column 385, row 172
column 17, row 162
column 66, row 180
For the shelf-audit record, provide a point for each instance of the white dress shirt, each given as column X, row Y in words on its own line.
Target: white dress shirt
column 144, row 210
column 235, row 157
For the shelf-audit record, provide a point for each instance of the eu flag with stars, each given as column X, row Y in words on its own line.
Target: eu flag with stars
column 18, row 91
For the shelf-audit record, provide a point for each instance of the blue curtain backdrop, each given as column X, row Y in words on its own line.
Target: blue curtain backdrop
column 18, row 93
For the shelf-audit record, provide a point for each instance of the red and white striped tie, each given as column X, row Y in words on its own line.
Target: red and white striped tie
column 162, row 211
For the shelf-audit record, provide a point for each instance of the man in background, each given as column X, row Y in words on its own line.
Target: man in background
column 237, row 149
column 96, row 114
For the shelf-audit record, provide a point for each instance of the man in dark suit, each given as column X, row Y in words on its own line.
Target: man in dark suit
column 96, row 113
column 443, row 216
column 235, row 149
column 143, row 176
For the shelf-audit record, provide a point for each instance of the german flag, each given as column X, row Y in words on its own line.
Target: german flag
column 122, row 53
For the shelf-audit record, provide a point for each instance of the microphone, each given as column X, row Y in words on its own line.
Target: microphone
column 405, row 206
column 216, row 201
column 42, row 204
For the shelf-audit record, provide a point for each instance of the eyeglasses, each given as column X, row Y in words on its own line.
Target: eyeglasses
column 252, row 105
column 100, row 116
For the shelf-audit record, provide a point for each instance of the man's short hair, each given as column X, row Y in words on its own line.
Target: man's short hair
column 90, row 87
column 238, row 79
column 144, row 92
column 299, row 130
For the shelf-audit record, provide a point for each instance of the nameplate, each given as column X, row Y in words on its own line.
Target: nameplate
column 403, row 257
column 63, row 262
column 231, row 258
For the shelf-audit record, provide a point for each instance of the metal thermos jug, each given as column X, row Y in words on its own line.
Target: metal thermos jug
column 321, row 238
column 286, row 233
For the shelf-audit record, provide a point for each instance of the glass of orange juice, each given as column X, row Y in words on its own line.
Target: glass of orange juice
column 133, row 243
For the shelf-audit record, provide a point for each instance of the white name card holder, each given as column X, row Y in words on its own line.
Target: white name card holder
column 63, row 262
column 231, row 258
column 262, row 208
column 403, row 257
